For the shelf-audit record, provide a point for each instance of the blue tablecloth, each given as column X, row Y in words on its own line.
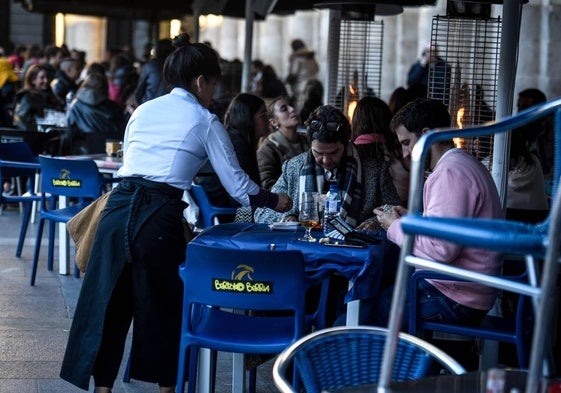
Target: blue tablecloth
column 363, row 266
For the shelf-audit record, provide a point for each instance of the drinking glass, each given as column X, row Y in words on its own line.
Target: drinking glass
column 309, row 215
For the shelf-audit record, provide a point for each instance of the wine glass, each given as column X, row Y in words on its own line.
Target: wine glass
column 309, row 215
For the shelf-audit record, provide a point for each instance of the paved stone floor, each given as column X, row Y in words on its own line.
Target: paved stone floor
column 34, row 323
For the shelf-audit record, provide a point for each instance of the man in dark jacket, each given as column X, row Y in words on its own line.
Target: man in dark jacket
column 440, row 72
column 65, row 80
column 151, row 84
column 94, row 117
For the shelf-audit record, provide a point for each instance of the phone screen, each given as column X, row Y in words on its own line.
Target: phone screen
column 340, row 225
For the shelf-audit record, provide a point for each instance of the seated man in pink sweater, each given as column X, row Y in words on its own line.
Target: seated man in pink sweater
column 457, row 186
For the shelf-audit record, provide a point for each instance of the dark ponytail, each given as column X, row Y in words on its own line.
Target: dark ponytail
column 188, row 61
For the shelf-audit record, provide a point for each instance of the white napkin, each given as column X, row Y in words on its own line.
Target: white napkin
column 284, row 226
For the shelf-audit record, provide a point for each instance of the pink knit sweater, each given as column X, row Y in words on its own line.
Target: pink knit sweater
column 459, row 186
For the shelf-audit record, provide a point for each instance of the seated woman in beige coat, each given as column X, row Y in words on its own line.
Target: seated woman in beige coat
column 283, row 144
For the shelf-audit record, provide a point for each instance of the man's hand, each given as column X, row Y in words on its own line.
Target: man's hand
column 387, row 214
column 369, row 225
column 284, row 204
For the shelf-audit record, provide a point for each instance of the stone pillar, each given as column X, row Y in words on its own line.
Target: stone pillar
column 228, row 37
column 268, row 44
column 540, row 46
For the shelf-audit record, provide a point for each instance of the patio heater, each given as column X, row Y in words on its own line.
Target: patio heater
column 355, row 51
column 467, row 38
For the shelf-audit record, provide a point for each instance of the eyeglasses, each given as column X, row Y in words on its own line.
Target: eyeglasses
column 332, row 126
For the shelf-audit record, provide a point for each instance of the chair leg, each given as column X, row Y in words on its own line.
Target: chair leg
column 23, row 229
column 213, row 362
column 192, row 374
column 252, row 385
column 52, row 228
column 37, row 249
column 180, row 385
column 193, row 369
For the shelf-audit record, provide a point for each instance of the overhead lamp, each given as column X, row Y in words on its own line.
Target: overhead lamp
column 360, row 10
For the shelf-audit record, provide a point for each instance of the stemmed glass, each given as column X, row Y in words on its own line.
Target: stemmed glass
column 309, row 214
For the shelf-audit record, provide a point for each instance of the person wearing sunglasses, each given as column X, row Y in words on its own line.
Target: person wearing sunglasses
column 364, row 182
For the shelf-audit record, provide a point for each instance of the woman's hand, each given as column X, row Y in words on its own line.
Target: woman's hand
column 284, row 204
column 387, row 214
column 290, row 218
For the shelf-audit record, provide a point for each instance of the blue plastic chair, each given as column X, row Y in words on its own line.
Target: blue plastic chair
column 217, row 281
column 64, row 178
column 342, row 357
column 513, row 330
column 207, row 211
column 540, row 241
column 17, row 160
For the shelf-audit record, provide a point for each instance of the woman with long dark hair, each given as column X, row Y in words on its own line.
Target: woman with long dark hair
column 283, row 143
column 246, row 121
column 34, row 98
column 132, row 272
column 372, row 136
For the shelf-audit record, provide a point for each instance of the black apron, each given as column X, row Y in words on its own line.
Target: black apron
column 138, row 247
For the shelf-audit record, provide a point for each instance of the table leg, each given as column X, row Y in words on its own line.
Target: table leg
column 488, row 357
column 203, row 372
column 353, row 310
column 238, row 373
column 353, row 313
column 63, row 242
column 36, row 190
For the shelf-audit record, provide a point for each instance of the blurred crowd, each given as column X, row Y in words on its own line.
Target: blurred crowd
column 92, row 101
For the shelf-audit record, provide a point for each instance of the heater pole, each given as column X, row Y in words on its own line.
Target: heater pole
column 508, row 63
column 333, row 55
column 246, row 71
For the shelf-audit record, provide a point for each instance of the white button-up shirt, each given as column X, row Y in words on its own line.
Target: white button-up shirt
column 169, row 138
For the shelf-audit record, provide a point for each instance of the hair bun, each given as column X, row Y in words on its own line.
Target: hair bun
column 182, row 40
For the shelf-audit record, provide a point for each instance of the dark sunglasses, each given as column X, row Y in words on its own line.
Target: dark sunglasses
column 332, row 126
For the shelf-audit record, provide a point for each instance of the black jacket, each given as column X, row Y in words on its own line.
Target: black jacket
column 62, row 85
column 93, row 112
column 151, row 83
column 30, row 104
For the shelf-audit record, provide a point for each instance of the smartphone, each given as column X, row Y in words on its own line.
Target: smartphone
column 351, row 236
column 340, row 225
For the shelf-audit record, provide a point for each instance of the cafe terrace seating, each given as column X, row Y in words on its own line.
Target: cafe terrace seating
column 532, row 241
column 17, row 161
column 48, row 142
column 342, row 357
column 266, row 288
column 63, row 178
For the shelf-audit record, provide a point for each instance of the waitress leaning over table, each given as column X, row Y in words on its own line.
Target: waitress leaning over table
column 139, row 245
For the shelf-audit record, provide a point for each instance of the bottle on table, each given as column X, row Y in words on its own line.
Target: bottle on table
column 332, row 207
column 69, row 98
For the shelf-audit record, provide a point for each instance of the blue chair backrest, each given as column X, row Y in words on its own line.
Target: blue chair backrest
column 340, row 357
column 358, row 361
column 245, row 279
column 18, row 152
column 71, row 178
column 207, row 210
